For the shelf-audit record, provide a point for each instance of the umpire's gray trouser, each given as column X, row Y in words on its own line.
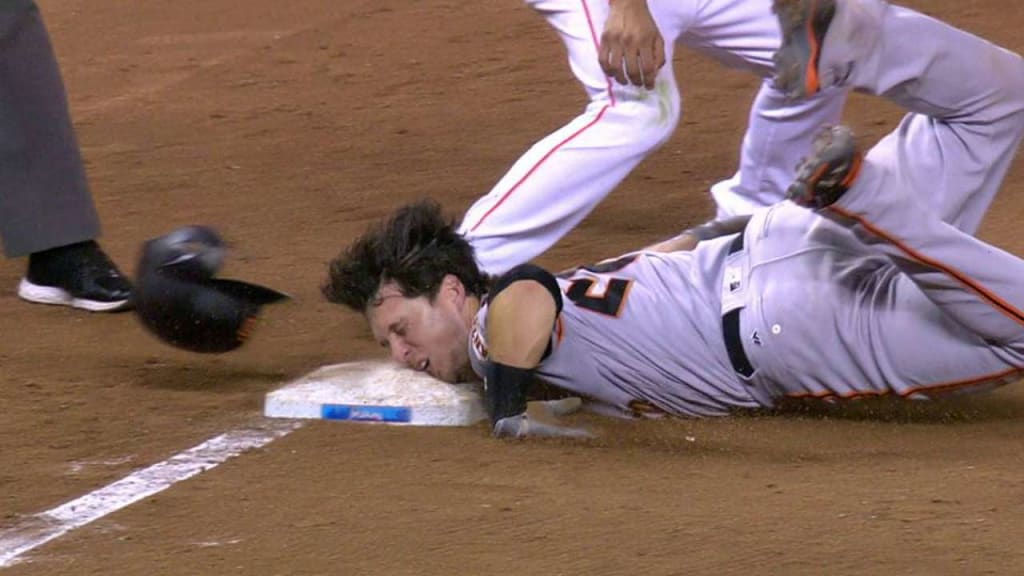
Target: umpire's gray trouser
column 44, row 196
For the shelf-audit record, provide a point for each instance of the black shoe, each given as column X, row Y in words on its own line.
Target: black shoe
column 830, row 170
column 78, row 275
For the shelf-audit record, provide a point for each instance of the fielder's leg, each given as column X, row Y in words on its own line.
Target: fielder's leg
column 778, row 130
column 745, row 34
column 562, row 178
column 556, row 183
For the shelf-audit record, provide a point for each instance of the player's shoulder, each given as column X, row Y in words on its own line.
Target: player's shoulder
column 514, row 293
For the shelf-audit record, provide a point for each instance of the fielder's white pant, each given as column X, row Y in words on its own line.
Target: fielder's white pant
column 560, row 180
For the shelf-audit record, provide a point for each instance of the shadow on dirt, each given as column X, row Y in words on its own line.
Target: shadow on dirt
column 208, row 377
column 964, row 409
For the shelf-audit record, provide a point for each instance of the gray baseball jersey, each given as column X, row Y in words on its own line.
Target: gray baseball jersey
column 888, row 294
column 642, row 334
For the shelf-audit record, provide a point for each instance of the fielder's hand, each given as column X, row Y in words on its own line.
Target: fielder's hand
column 632, row 49
column 522, row 426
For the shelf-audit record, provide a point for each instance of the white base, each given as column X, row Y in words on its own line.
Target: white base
column 376, row 391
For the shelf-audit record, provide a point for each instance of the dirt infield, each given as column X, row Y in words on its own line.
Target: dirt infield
column 291, row 125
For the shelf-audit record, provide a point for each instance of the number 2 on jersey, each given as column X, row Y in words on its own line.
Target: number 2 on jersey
column 608, row 302
column 611, row 300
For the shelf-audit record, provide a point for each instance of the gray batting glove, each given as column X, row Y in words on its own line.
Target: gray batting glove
column 522, row 427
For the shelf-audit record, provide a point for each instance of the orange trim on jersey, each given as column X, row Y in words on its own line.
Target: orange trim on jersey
column 611, row 98
column 1008, row 309
column 931, row 388
column 811, row 82
column 559, row 330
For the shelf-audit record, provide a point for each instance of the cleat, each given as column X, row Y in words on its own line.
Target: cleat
column 804, row 24
column 830, row 170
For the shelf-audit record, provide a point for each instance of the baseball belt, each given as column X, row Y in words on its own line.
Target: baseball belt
column 731, row 327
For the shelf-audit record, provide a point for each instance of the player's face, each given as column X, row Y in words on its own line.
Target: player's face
column 428, row 336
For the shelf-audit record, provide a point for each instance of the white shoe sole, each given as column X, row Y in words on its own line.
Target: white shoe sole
column 60, row 297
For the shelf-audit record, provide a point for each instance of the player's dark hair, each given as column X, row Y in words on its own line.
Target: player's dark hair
column 415, row 248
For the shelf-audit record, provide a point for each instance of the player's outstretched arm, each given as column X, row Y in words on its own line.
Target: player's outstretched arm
column 519, row 323
column 689, row 238
column 632, row 49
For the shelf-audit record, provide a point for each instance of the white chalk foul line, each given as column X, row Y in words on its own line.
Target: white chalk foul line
column 41, row 528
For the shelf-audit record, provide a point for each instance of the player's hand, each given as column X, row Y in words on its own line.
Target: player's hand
column 632, row 49
column 522, row 426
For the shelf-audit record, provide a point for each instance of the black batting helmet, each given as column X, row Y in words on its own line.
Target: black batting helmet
column 178, row 299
